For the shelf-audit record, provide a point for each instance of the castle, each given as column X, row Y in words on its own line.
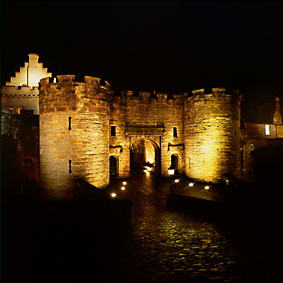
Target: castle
column 88, row 131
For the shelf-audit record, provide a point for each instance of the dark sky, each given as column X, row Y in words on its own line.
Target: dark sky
column 163, row 46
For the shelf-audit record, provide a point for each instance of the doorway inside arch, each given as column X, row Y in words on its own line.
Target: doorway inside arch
column 145, row 154
column 174, row 162
column 113, row 166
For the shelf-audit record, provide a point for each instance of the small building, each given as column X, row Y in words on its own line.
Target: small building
column 262, row 149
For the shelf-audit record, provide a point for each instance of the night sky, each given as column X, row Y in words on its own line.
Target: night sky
column 166, row 46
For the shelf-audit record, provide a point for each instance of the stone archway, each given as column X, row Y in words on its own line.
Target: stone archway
column 144, row 151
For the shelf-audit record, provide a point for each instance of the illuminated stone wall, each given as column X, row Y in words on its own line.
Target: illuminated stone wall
column 150, row 117
column 74, row 134
column 212, row 135
column 16, row 98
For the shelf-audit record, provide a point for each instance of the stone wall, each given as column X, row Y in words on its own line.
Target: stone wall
column 20, row 98
column 74, row 134
column 151, row 117
column 212, row 135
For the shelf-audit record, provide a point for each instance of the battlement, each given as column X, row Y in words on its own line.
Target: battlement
column 147, row 96
column 69, row 80
column 220, row 93
column 68, row 95
column 19, row 91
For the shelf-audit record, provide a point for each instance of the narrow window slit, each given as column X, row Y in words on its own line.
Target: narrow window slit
column 70, row 166
column 70, row 123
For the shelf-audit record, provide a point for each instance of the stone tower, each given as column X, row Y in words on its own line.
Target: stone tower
column 74, row 134
column 212, row 135
column 277, row 118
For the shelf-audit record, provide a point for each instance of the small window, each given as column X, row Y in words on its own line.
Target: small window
column 70, row 166
column 267, row 130
column 113, row 131
column 174, row 131
column 70, row 123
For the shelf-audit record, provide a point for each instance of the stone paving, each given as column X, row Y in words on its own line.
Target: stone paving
column 168, row 245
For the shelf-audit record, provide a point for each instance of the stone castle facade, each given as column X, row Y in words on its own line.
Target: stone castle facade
column 84, row 124
column 87, row 131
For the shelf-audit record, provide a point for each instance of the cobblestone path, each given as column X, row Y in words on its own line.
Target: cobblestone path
column 170, row 245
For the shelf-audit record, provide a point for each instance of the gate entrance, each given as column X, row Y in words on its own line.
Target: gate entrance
column 145, row 152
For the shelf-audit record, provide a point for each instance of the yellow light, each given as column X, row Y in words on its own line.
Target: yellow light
column 206, row 187
column 171, row 172
column 113, row 195
column 177, row 181
column 124, row 183
column 123, row 188
column 191, row 184
column 148, row 168
column 147, row 173
column 145, row 170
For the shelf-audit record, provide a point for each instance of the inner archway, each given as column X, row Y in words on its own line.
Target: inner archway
column 145, row 152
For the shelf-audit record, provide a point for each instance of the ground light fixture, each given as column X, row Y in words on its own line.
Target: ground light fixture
column 113, row 195
column 206, row 187
column 177, row 180
column 124, row 183
column 123, row 188
column 191, row 184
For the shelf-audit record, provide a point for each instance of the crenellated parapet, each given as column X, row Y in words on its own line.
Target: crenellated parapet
column 149, row 97
column 68, row 95
column 19, row 91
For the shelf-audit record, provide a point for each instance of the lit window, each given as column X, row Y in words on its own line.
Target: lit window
column 267, row 130
column 174, row 131
column 113, row 131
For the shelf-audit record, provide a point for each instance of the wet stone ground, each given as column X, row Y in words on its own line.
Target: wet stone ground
column 167, row 245
column 92, row 240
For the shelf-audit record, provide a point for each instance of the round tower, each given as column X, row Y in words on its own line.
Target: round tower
column 212, row 135
column 74, row 134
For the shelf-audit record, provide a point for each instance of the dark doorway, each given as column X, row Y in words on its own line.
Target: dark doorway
column 113, row 166
column 174, row 162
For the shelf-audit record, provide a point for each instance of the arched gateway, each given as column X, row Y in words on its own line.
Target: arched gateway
column 145, row 151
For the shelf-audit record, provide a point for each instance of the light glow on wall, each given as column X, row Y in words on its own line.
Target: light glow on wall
column 149, row 152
